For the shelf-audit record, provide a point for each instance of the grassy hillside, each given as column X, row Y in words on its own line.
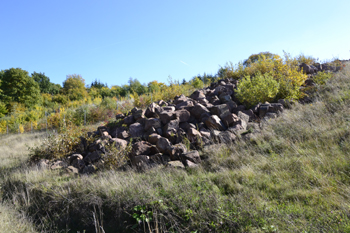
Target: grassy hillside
column 293, row 176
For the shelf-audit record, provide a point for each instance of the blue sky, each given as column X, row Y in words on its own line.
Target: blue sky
column 112, row 41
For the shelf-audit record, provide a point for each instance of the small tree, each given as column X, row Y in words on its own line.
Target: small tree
column 74, row 87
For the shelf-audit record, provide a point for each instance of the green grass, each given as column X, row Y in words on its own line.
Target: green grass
column 292, row 177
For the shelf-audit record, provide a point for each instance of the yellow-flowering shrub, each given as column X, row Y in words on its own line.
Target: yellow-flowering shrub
column 286, row 73
column 260, row 88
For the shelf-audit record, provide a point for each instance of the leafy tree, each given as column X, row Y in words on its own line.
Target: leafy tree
column 43, row 81
column 18, row 86
column 197, row 82
column 155, row 86
column 74, row 87
column 3, row 109
column 136, row 86
column 255, row 57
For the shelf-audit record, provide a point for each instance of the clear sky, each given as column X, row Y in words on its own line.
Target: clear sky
column 112, row 41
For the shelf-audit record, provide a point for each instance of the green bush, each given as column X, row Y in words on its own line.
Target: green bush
column 321, row 77
column 260, row 88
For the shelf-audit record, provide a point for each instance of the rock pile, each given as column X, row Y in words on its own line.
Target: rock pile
column 160, row 133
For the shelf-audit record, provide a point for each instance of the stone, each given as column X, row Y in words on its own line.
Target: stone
column 136, row 130
column 73, row 157
column 176, row 151
column 238, row 108
column 171, row 128
column 140, row 161
column 163, row 145
column 276, row 108
column 43, row 164
column 169, row 108
column 184, row 105
column 231, row 105
column 226, row 137
column 162, row 103
column 119, row 143
column 119, row 116
column 230, row 120
column 152, row 122
column 93, row 156
column 306, row 68
column 176, row 164
column 153, row 138
column 180, row 99
column 250, row 113
column 182, row 115
column 193, row 135
column 198, row 94
column 221, row 110
column 129, row 120
column 263, row 109
column 58, row 165
column 141, row 148
column 78, row 163
column 214, row 122
column 198, row 110
column 167, row 116
column 192, row 156
column 153, row 110
column 224, row 98
column 214, row 100
column 89, row 169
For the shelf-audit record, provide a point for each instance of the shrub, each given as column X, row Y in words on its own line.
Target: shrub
column 321, row 77
column 260, row 88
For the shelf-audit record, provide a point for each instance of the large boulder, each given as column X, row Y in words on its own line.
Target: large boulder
column 163, row 145
column 307, row 69
column 136, row 130
column 167, row 116
column 153, row 110
column 183, row 115
column 152, row 122
column 141, row 148
column 198, row 110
